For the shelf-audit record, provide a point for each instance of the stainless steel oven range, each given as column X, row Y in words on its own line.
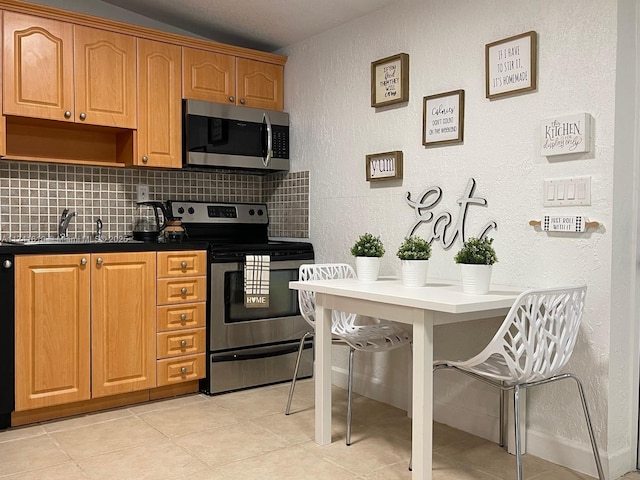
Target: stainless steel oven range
column 247, row 347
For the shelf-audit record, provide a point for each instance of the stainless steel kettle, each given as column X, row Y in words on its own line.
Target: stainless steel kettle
column 147, row 223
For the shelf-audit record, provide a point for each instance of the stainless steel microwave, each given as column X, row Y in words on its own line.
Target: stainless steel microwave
column 230, row 137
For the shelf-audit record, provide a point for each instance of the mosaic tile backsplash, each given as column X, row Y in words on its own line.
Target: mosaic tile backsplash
column 33, row 196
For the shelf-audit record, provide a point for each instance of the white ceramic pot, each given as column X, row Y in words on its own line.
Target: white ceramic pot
column 414, row 272
column 367, row 268
column 475, row 278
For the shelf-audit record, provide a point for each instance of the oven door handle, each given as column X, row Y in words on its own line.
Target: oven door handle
column 259, row 352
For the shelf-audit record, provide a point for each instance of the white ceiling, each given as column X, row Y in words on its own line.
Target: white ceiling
column 265, row 25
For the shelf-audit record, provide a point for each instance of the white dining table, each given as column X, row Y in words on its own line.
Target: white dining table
column 439, row 302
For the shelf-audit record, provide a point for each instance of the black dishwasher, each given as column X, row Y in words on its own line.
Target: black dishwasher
column 7, row 333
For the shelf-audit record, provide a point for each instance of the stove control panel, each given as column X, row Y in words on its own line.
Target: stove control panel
column 210, row 212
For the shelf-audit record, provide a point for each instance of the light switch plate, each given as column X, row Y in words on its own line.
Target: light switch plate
column 142, row 193
column 560, row 192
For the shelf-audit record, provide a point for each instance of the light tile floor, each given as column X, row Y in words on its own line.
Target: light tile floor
column 245, row 435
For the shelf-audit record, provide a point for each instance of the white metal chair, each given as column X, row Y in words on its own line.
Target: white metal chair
column 533, row 344
column 375, row 336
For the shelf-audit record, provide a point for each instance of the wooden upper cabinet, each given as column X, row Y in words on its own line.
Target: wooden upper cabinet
column 159, row 133
column 259, row 84
column 105, row 66
column 38, row 67
column 57, row 71
column 227, row 79
column 208, row 76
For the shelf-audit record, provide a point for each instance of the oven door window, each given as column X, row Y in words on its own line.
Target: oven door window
column 283, row 302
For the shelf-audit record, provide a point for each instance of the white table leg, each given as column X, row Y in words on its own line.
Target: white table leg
column 323, row 372
column 422, row 434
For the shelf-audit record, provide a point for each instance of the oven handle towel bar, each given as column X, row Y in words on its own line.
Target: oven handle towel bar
column 259, row 352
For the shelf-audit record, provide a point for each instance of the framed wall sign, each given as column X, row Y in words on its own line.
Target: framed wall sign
column 384, row 166
column 390, row 80
column 510, row 65
column 443, row 118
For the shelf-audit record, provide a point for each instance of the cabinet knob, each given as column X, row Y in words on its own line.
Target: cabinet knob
column 232, row 99
column 184, row 264
column 183, row 343
column 242, row 101
column 183, row 370
column 83, row 116
column 7, row 264
column 99, row 261
column 183, row 317
column 83, row 261
column 145, row 159
column 184, row 290
column 67, row 114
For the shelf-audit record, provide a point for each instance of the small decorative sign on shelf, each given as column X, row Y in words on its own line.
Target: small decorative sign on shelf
column 564, row 223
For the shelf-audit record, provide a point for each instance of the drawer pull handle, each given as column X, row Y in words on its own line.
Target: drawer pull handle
column 183, row 317
column 83, row 116
column 183, row 343
column 83, row 261
column 99, row 261
column 183, row 370
column 184, row 290
column 184, row 264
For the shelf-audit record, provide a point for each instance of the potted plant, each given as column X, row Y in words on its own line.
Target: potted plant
column 476, row 258
column 414, row 253
column 368, row 250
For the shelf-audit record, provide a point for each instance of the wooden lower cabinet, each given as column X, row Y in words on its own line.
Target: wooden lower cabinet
column 84, row 326
column 52, row 330
column 181, row 337
column 123, row 303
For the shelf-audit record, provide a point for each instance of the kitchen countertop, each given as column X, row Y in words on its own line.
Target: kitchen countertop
column 10, row 249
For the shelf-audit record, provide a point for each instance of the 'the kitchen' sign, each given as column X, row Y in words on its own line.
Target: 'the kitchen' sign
column 568, row 134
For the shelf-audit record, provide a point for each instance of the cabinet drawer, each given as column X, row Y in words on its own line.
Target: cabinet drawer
column 181, row 369
column 182, row 264
column 182, row 290
column 183, row 342
column 177, row 317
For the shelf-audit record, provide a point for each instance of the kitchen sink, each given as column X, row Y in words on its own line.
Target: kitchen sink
column 71, row 240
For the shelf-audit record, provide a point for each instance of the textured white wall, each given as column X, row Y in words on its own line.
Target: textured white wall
column 334, row 127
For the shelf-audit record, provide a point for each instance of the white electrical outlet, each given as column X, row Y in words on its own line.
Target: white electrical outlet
column 142, row 193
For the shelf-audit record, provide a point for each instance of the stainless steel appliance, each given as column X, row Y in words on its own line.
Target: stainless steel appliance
column 230, row 137
column 247, row 347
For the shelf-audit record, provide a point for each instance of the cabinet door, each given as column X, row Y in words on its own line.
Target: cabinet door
column 52, row 330
column 159, row 105
column 208, row 76
column 105, row 73
column 38, row 67
column 123, row 336
column 259, row 84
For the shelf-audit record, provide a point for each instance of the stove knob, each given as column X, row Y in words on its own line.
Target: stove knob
column 191, row 210
column 260, row 212
column 252, row 211
column 180, row 210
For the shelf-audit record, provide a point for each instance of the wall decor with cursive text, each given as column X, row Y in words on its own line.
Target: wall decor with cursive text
column 384, row 166
column 390, row 80
column 443, row 118
column 510, row 65
column 568, row 134
column 442, row 228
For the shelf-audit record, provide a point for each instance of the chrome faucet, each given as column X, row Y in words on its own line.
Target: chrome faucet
column 99, row 229
column 65, row 219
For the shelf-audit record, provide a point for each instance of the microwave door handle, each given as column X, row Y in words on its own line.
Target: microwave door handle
column 267, row 121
